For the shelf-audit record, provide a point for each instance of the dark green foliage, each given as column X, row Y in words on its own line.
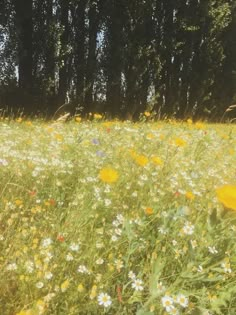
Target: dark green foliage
column 177, row 58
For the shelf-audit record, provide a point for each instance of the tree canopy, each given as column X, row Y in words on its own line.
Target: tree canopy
column 175, row 58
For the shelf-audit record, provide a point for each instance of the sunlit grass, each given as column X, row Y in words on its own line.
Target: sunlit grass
column 103, row 217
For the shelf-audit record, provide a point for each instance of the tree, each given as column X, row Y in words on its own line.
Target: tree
column 64, row 66
column 24, row 29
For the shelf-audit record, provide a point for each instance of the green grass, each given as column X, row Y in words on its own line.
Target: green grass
column 66, row 236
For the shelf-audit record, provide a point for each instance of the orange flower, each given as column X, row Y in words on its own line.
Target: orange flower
column 227, row 195
column 108, row 175
column 149, row 211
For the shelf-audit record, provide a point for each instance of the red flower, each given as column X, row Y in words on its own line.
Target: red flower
column 60, row 238
column 32, row 193
column 52, row 202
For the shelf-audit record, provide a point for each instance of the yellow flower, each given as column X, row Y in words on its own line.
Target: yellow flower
column 26, row 312
column 78, row 119
column 156, row 160
column 189, row 195
column 18, row 202
column 108, row 175
column 180, row 142
column 141, row 160
column 93, row 293
column 65, row 285
column 58, row 137
column 199, row 125
column 97, row 116
column 28, row 123
column 80, row 288
column 147, row 114
column 150, row 136
column 227, row 195
column 189, row 121
column 40, row 306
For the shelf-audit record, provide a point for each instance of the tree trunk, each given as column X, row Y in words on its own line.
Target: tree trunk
column 80, row 33
column 115, row 63
column 24, row 27
column 63, row 57
column 50, row 55
column 91, row 60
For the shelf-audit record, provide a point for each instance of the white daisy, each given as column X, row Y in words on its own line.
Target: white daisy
column 182, row 300
column 39, row 285
column 74, row 247
column 104, row 299
column 46, row 242
column 137, row 285
column 167, row 302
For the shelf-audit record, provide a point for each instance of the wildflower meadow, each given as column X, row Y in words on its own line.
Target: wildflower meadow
column 111, row 217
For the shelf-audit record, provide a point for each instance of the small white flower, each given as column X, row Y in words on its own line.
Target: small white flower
column 118, row 232
column 114, row 238
column 120, row 218
column 188, row 228
column 107, row 189
column 46, row 242
column 193, row 243
column 48, row 257
column 143, row 177
column 119, row 264
column 3, row 162
column 107, row 202
column 29, row 265
column 82, row 269
column 104, row 299
column 212, row 250
column 226, row 266
column 200, row 269
column 99, row 261
column 48, row 275
column 132, row 275
column 137, row 285
column 49, row 297
column 167, row 302
column 116, row 223
column 134, row 194
column 174, row 242
column 182, row 300
column 74, row 247
column 39, row 285
column 11, row 267
column 99, row 245
column 69, row 257
column 162, row 230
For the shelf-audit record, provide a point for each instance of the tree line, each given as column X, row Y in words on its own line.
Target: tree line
column 175, row 58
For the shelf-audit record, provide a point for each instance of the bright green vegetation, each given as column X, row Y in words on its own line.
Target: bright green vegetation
column 155, row 240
